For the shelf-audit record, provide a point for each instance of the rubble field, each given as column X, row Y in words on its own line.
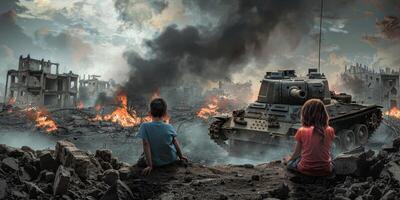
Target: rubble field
column 70, row 173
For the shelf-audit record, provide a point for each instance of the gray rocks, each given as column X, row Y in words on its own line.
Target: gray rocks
column 354, row 162
column 61, row 181
column 47, row 162
column 10, row 164
column 69, row 156
column 110, row 177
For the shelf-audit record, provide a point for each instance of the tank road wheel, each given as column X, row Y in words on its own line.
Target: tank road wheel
column 347, row 139
column 361, row 133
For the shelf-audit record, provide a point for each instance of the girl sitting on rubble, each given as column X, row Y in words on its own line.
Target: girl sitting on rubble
column 312, row 154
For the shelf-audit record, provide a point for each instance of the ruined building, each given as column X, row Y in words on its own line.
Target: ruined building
column 92, row 86
column 369, row 86
column 38, row 83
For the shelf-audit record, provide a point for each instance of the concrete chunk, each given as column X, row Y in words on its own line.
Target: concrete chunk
column 47, row 162
column 69, row 156
column 61, row 181
column 10, row 164
column 353, row 162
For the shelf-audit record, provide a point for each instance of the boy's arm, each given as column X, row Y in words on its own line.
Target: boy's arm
column 147, row 153
column 178, row 149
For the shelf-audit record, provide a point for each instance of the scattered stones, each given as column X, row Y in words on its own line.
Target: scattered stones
column 9, row 164
column 62, row 180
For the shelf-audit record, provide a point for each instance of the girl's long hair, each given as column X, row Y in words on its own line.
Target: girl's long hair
column 313, row 113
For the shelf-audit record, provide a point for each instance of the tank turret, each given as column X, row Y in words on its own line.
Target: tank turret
column 284, row 87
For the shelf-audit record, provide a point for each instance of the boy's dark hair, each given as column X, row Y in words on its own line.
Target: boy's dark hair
column 158, row 107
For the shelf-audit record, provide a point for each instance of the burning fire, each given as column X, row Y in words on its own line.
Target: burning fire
column 40, row 116
column 121, row 115
column 394, row 112
column 216, row 105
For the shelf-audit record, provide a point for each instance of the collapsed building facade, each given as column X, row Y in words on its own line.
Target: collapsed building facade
column 39, row 83
column 374, row 87
column 92, row 86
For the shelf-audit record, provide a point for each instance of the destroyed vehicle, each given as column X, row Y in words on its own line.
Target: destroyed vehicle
column 275, row 116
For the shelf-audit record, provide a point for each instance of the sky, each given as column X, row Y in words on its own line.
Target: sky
column 148, row 44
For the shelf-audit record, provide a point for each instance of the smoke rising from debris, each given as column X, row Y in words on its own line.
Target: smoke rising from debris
column 210, row 54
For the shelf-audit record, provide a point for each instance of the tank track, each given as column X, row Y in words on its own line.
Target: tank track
column 215, row 133
column 373, row 121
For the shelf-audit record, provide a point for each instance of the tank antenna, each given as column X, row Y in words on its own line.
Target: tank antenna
column 320, row 35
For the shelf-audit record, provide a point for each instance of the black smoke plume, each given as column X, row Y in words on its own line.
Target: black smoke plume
column 210, row 53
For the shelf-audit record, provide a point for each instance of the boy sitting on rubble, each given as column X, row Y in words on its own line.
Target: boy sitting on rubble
column 160, row 145
column 312, row 155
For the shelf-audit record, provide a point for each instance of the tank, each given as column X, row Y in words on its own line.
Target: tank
column 274, row 117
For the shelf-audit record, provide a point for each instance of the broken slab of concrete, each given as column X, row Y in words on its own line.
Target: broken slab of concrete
column 61, row 181
column 354, row 162
column 70, row 156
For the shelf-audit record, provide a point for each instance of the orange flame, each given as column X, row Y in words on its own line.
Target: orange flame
column 210, row 109
column 40, row 116
column 393, row 112
column 121, row 115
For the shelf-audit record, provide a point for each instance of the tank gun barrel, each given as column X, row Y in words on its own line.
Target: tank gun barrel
column 297, row 93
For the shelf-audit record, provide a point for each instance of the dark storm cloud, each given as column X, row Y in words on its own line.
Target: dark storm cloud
column 212, row 54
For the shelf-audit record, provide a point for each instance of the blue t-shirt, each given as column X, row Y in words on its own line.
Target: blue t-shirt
column 160, row 136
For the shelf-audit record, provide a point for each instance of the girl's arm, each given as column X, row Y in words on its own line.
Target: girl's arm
column 178, row 149
column 297, row 151
column 147, row 153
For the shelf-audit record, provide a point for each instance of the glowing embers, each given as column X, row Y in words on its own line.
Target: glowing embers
column 121, row 115
column 393, row 112
column 41, row 117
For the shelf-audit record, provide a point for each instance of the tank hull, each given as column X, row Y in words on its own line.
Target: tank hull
column 262, row 132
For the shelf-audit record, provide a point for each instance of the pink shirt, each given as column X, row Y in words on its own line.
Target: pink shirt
column 315, row 155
